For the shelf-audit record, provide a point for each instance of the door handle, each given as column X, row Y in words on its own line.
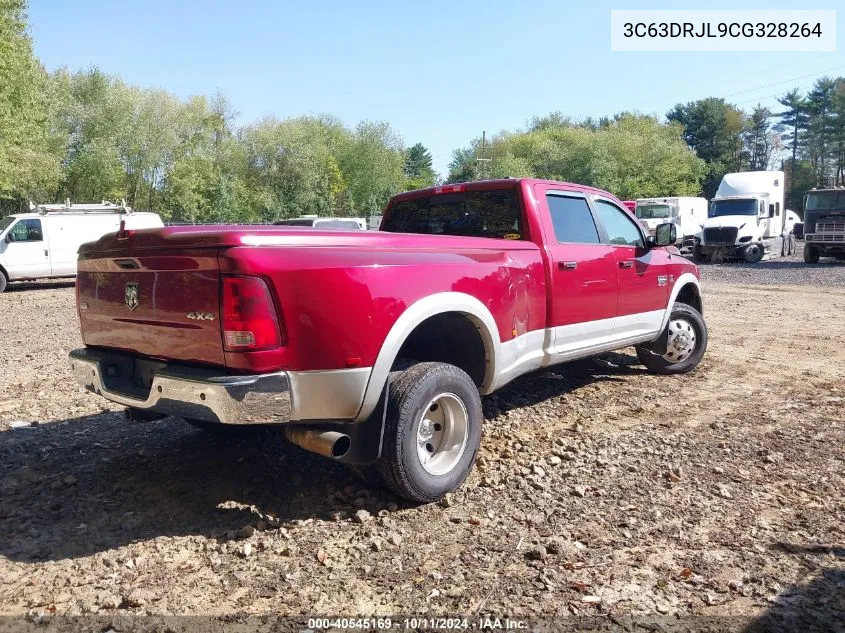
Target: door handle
column 567, row 265
column 626, row 264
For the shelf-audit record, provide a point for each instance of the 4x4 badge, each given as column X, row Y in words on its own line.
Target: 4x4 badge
column 131, row 296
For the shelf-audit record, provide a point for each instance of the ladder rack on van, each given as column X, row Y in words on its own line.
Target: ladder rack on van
column 104, row 207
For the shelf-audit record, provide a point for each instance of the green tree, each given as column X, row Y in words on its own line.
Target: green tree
column 630, row 156
column 759, row 140
column 793, row 120
column 713, row 128
column 418, row 168
column 28, row 167
column 462, row 168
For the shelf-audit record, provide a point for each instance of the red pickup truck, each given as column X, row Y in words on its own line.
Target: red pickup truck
column 373, row 347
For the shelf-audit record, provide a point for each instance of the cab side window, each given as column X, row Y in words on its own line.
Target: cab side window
column 572, row 220
column 621, row 229
column 28, row 230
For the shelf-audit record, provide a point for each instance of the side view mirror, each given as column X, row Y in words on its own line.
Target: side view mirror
column 665, row 234
column 9, row 238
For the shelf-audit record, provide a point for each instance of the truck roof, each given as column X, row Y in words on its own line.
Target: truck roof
column 499, row 183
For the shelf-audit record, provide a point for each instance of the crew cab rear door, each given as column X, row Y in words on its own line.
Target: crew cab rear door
column 641, row 272
column 582, row 302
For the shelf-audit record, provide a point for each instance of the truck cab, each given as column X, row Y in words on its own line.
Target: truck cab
column 824, row 224
column 687, row 213
column 747, row 218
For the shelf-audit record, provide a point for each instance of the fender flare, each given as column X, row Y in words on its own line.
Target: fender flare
column 415, row 314
column 680, row 283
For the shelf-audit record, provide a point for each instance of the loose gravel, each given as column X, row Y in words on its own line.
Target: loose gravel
column 600, row 490
column 777, row 272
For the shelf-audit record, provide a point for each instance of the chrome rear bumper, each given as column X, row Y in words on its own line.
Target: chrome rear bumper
column 187, row 392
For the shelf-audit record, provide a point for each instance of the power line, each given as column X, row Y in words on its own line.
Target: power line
column 786, row 81
column 729, row 81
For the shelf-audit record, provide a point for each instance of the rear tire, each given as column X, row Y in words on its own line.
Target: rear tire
column 432, row 431
column 3, row 281
column 811, row 254
column 686, row 344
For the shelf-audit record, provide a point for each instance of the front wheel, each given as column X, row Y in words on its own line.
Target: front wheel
column 685, row 345
column 3, row 281
column 432, row 431
column 753, row 253
column 811, row 254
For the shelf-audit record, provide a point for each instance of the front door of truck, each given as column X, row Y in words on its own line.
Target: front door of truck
column 583, row 273
column 26, row 254
column 641, row 272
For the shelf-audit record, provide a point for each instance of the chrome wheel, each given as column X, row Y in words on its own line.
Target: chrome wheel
column 681, row 342
column 442, row 434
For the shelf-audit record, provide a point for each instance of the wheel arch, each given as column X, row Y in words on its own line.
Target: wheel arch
column 687, row 289
column 437, row 306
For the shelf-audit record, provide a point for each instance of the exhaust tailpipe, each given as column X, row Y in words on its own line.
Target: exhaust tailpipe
column 326, row 443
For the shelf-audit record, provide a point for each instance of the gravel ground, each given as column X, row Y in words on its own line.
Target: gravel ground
column 600, row 490
column 782, row 271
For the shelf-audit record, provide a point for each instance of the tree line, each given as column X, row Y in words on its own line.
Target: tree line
column 88, row 136
column 635, row 155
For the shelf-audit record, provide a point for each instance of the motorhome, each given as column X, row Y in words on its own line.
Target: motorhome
column 44, row 242
column 747, row 219
column 824, row 224
column 686, row 212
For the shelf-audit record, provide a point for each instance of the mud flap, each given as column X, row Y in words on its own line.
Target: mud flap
column 367, row 437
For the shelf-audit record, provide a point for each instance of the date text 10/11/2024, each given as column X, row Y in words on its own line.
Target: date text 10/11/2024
column 485, row 623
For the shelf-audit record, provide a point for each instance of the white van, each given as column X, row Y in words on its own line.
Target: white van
column 44, row 243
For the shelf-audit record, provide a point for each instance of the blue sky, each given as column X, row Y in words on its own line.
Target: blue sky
column 439, row 72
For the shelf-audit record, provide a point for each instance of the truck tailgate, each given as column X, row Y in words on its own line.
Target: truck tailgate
column 162, row 303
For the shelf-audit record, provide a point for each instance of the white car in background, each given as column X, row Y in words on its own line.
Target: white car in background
column 316, row 222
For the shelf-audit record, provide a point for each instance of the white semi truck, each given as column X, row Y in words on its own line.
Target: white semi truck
column 687, row 213
column 747, row 219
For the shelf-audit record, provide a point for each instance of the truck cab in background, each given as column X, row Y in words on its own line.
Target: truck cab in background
column 824, row 224
column 687, row 213
column 747, row 219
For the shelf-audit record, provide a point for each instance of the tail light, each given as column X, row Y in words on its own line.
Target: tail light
column 249, row 318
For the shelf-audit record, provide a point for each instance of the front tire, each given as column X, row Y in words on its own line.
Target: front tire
column 687, row 342
column 811, row 254
column 432, row 431
column 753, row 253
column 3, row 281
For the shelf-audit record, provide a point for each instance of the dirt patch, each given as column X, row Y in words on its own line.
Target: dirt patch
column 600, row 490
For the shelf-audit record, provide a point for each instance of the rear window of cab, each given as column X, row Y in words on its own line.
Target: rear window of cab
column 493, row 214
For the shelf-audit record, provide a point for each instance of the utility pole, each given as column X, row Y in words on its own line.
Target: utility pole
column 480, row 160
